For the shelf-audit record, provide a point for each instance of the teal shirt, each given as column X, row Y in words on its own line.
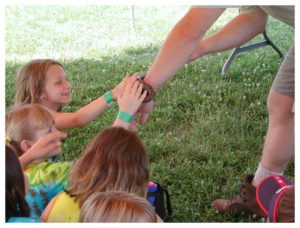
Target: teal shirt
column 23, row 220
column 38, row 197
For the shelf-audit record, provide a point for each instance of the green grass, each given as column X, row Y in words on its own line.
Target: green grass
column 206, row 131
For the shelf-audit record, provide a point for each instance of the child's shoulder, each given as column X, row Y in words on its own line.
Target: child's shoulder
column 48, row 172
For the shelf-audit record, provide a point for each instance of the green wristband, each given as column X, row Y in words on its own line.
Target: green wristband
column 124, row 116
column 108, row 97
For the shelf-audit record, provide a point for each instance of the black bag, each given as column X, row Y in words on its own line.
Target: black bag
column 160, row 199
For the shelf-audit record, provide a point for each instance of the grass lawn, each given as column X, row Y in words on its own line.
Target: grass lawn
column 206, row 131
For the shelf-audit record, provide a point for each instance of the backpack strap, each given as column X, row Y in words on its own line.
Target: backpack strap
column 169, row 207
column 159, row 198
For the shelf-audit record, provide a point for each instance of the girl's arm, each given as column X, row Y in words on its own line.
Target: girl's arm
column 87, row 113
column 81, row 117
column 129, row 102
column 46, row 212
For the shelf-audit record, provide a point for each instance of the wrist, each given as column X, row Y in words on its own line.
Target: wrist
column 113, row 93
column 151, row 81
column 148, row 87
column 124, row 116
column 25, row 159
column 108, row 97
column 121, row 123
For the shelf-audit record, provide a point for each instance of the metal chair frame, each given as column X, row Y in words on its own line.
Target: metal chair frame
column 250, row 47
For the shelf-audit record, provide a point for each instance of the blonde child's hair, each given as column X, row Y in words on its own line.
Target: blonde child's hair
column 23, row 122
column 116, row 159
column 31, row 81
column 116, row 206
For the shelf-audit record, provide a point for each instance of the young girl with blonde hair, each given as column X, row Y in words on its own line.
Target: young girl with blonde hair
column 116, row 159
column 116, row 206
column 44, row 81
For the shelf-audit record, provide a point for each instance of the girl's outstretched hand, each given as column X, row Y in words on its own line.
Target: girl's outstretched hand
column 132, row 97
column 120, row 88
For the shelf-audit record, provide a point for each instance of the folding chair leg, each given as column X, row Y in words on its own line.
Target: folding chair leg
column 229, row 60
column 249, row 47
column 269, row 42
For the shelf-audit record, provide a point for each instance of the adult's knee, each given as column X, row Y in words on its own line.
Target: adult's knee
column 280, row 106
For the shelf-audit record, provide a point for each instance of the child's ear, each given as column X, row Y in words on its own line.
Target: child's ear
column 25, row 145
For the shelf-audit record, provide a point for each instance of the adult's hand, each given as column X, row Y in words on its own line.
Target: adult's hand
column 142, row 115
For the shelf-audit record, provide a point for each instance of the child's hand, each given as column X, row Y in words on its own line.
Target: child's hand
column 46, row 146
column 132, row 97
column 120, row 88
column 142, row 114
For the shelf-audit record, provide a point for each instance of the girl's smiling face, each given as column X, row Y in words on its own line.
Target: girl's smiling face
column 57, row 90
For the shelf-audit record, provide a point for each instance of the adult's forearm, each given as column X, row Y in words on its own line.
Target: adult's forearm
column 180, row 44
column 240, row 30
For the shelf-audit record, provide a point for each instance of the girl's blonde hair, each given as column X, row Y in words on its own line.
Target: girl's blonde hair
column 116, row 206
column 31, row 81
column 116, row 159
column 23, row 122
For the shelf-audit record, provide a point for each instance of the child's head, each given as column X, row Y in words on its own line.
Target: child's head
column 116, row 159
column 43, row 81
column 26, row 124
column 15, row 186
column 116, row 206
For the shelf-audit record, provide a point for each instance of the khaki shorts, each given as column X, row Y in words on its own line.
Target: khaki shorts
column 284, row 82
